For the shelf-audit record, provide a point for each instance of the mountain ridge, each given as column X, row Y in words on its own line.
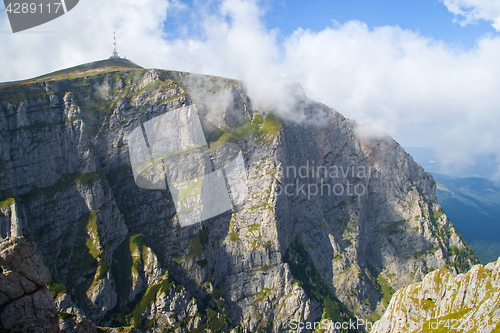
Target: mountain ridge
column 444, row 302
column 124, row 259
column 91, row 68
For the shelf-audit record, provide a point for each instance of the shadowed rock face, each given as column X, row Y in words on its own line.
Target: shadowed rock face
column 119, row 254
column 25, row 302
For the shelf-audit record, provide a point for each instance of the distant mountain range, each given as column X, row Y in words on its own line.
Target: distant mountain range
column 482, row 166
column 470, row 199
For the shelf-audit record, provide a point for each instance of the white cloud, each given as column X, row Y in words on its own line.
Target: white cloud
column 471, row 11
column 423, row 92
column 84, row 34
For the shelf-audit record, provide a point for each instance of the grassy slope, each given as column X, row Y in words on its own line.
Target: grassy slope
column 89, row 69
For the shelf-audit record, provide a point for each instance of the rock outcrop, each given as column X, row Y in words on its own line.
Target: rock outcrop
column 25, row 302
column 446, row 302
column 334, row 221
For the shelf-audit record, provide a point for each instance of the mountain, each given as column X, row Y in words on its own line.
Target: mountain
column 473, row 206
column 446, row 302
column 470, row 199
column 316, row 221
column 89, row 69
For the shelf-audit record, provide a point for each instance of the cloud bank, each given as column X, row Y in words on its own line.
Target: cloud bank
column 421, row 91
column 471, row 11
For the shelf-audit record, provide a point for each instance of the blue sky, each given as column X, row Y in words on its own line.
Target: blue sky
column 424, row 71
column 430, row 18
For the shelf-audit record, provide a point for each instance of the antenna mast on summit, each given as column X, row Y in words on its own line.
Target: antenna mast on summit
column 115, row 54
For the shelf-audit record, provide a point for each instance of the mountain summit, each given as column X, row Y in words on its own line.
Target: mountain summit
column 89, row 69
column 331, row 224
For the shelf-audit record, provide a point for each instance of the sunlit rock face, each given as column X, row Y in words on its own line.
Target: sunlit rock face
column 302, row 220
column 445, row 301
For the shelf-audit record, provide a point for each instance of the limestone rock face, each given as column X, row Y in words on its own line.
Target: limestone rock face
column 25, row 302
column 303, row 242
column 444, row 301
column 11, row 219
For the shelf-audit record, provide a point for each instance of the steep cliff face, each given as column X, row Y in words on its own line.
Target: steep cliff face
column 333, row 222
column 388, row 232
column 25, row 301
column 445, row 302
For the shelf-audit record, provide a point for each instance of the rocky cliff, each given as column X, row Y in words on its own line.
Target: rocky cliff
column 333, row 222
column 446, row 302
column 25, row 302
